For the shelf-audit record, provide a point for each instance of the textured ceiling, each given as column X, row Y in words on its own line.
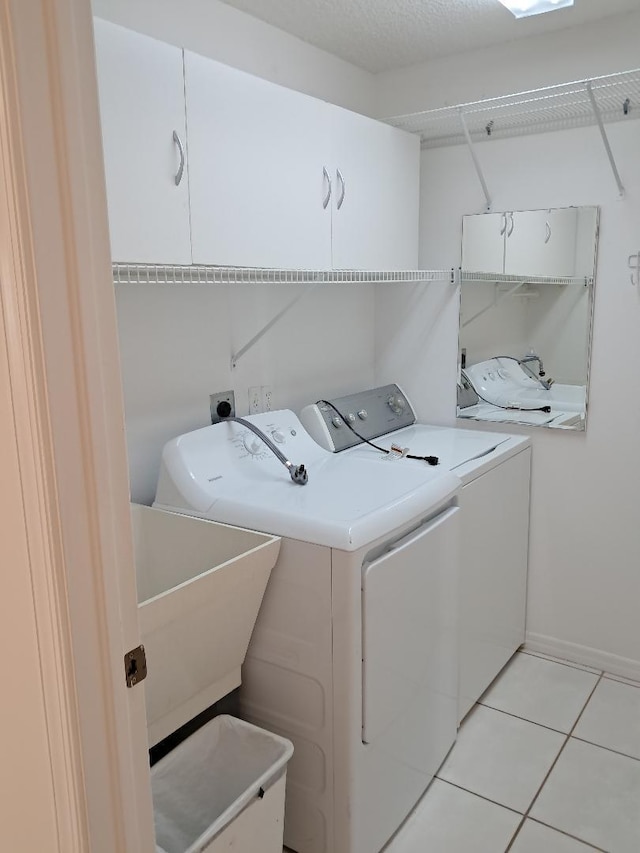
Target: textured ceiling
column 379, row 35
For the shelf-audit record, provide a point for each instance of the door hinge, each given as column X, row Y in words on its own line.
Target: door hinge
column 135, row 666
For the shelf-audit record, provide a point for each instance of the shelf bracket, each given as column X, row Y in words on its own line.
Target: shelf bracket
column 235, row 358
column 474, row 157
column 605, row 138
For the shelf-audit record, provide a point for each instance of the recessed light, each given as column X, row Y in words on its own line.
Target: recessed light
column 524, row 8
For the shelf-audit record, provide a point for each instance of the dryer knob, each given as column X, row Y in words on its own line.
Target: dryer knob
column 351, row 418
column 252, row 443
column 278, row 436
column 397, row 403
column 363, row 414
column 336, row 421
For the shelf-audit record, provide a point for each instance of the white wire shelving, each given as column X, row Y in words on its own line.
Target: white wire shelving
column 159, row 274
column 504, row 278
column 560, row 107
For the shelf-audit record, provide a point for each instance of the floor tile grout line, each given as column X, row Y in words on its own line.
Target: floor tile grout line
column 568, row 834
column 606, row 748
column 555, row 761
column 593, row 670
column 480, row 796
column 524, row 719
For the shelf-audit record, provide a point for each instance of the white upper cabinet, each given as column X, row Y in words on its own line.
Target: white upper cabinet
column 376, row 193
column 542, row 242
column 206, row 164
column 256, row 155
column 483, row 241
column 142, row 107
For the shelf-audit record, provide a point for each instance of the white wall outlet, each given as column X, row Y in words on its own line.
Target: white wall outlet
column 255, row 399
column 267, row 398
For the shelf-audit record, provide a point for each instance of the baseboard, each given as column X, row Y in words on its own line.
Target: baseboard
column 573, row 652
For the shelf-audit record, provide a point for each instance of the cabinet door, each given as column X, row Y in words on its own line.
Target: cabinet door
column 141, row 90
column 376, row 194
column 541, row 242
column 483, row 238
column 256, row 155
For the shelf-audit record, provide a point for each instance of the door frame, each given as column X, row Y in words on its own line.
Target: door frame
column 60, row 356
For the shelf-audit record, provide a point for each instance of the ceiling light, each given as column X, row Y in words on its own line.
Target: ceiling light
column 524, row 8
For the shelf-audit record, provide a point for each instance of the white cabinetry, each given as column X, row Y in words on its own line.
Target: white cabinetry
column 256, row 159
column 541, row 242
column 142, row 105
column 527, row 242
column 376, row 193
column 270, row 177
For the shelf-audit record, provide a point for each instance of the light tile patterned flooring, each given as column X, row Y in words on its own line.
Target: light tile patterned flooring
column 548, row 761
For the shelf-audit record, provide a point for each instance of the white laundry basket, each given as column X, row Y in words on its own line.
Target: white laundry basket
column 222, row 789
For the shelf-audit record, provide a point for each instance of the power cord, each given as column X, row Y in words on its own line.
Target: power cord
column 430, row 460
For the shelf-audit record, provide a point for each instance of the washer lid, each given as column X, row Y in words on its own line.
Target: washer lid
column 221, row 472
column 453, row 447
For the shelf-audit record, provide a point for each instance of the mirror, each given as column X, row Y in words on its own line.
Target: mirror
column 526, row 308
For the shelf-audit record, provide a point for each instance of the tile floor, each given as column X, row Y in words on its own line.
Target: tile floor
column 548, row 761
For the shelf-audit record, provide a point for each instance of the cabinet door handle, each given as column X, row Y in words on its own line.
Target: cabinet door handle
column 178, row 142
column 504, row 224
column 343, row 188
column 510, row 231
column 327, row 198
column 548, row 237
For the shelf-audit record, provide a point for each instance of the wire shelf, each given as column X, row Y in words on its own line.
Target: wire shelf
column 503, row 278
column 155, row 274
column 558, row 107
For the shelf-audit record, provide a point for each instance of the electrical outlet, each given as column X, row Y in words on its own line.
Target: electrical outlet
column 221, row 397
column 255, row 399
column 267, row 398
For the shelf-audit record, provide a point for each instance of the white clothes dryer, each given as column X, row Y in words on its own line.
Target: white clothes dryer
column 494, row 502
column 353, row 656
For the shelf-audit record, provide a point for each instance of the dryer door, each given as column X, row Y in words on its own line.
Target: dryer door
column 409, row 667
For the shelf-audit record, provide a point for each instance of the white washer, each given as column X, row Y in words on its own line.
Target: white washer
column 353, row 656
column 494, row 502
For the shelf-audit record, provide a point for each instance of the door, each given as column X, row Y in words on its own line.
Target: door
column 60, row 345
column 376, row 173
column 409, row 645
column 483, row 238
column 142, row 110
column 257, row 155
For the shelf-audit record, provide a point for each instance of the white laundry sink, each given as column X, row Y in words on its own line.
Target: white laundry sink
column 200, row 586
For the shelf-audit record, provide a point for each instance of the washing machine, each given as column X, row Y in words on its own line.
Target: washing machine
column 494, row 520
column 353, row 656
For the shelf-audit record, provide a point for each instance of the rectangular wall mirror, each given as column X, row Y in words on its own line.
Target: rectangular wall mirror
column 526, row 310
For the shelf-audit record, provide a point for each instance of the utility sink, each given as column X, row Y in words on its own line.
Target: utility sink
column 200, row 586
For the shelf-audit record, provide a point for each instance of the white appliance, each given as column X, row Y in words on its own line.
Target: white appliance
column 353, row 656
column 494, row 503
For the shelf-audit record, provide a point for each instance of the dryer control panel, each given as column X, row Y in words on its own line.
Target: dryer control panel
column 344, row 422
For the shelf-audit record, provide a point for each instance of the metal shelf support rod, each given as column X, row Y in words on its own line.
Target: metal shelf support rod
column 605, row 138
column 474, row 157
column 235, row 358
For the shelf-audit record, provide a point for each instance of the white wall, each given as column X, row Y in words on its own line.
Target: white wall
column 213, row 29
column 584, row 582
column 176, row 344
column 589, row 51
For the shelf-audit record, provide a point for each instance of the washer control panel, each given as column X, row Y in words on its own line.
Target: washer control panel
column 334, row 423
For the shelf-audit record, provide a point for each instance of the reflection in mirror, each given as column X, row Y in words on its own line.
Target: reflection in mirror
column 526, row 310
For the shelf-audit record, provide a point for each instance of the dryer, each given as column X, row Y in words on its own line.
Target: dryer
column 353, row 656
column 495, row 472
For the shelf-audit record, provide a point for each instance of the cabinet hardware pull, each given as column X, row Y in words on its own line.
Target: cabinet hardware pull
column 510, row 231
column 504, row 224
column 343, row 188
column 327, row 198
column 548, row 237
column 178, row 142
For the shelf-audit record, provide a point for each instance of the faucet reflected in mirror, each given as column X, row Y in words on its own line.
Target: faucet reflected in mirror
column 526, row 309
